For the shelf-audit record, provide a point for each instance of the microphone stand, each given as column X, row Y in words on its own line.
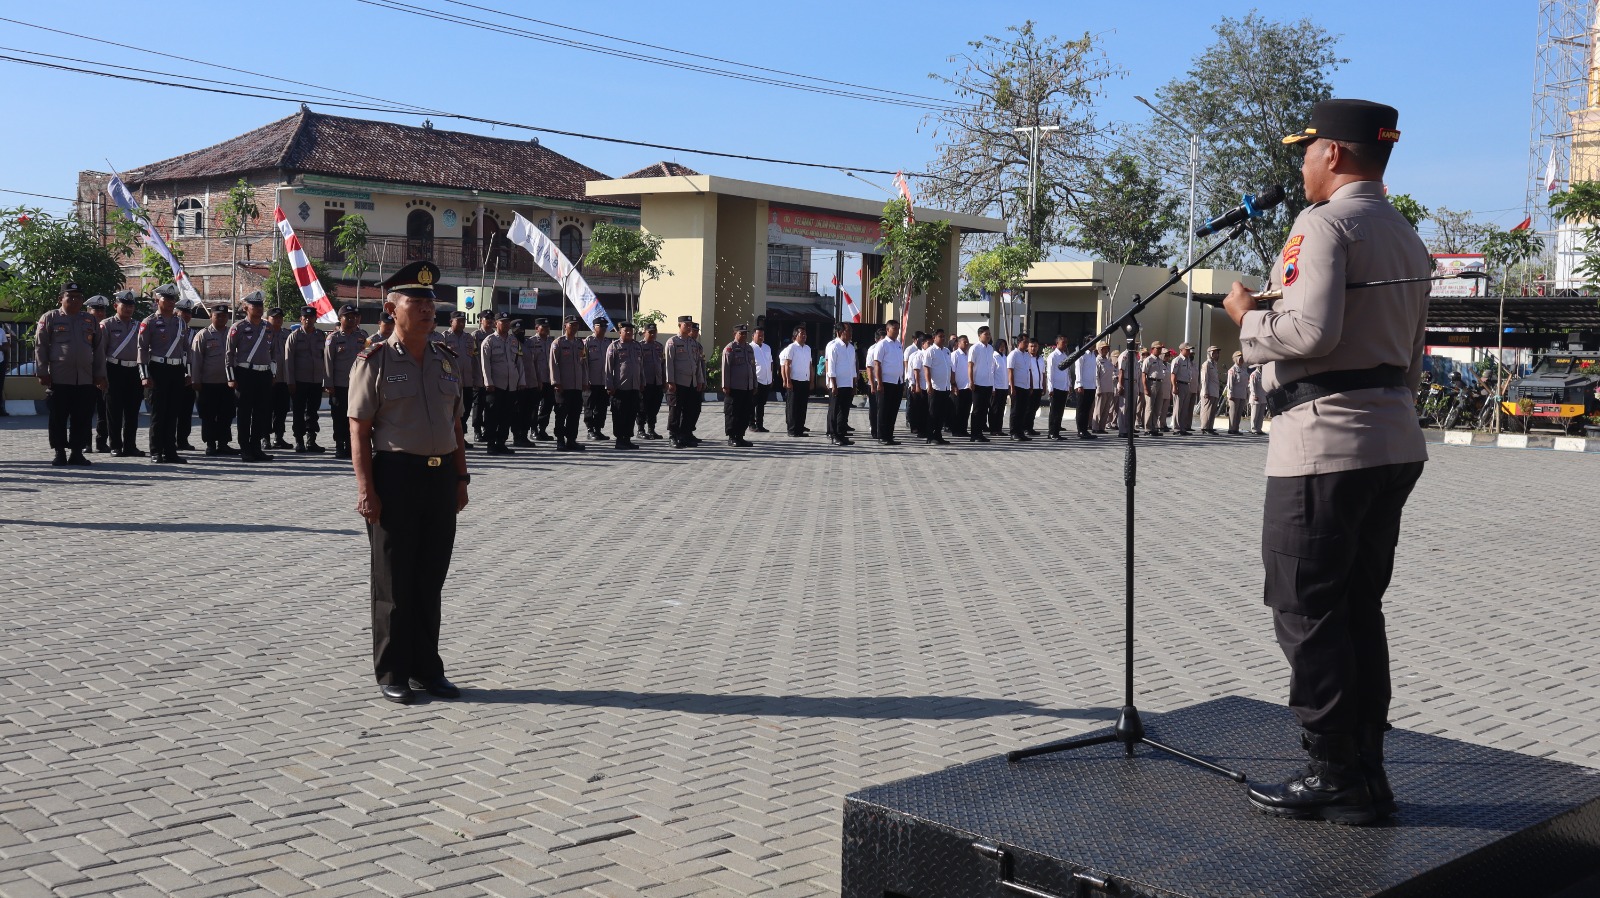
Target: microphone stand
column 1129, row 729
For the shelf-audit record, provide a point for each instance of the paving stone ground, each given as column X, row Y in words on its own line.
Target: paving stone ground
column 678, row 663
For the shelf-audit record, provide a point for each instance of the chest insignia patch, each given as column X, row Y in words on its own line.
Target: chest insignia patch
column 397, row 378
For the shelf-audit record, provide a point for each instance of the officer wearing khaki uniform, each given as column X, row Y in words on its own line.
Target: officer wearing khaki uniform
column 70, row 361
column 1183, row 384
column 465, row 346
column 475, row 397
column 686, row 383
column 411, row 482
column 655, row 384
column 209, row 365
column 282, row 401
column 164, row 369
column 500, row 362
column 120, row 333
column 1238, row 392
column 568, row 376
column 1342, row 367
column 304, row 374
column 625, row 361
column 526, row 397
column 1157, row 377
column 594, row 360
column 250, row 370
column 1210, row 391
column 1105, row 395
column 738, row 386
column 338, row 357
column 536, row 355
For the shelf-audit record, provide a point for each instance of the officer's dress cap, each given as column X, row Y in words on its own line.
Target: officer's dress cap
column 348, row 309
column 308, row 311
column 686, row 319
column 626, row 326
column 517, row 325
column 458, row 315
column 98, row 302
column 416, row 279
column 541, row 321
column 127, row 296
column 1352, row 121
column 571, row 319
column 256, row 299
column 221, row 309
column 274, row 312
column 386, row 318
column 71, row 287
column 168, row 291
column 601, row 322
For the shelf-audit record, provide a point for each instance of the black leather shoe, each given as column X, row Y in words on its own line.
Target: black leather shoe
column 1369, row 748
column 60, row 461
column 224, row 449
column 1087, row 436
column 743, row 443
column 134, row 452
column 77, row 458
column 400, row 695
column 1333, row 786
column 759, row 429
column 183, row 446
column 312, row 448
column 890, row 442
column 626, row 444
column 979, row 438
column 438, row 687
column 279, row 443
column 172, row 458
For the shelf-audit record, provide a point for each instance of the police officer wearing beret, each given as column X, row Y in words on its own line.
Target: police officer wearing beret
column 1342, row 367
column 339, row 353
column 164, row 370
column 411, row 481
column 70, row 361
column 250, row 351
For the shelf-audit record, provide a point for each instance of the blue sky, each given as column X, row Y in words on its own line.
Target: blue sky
column 1461, row 79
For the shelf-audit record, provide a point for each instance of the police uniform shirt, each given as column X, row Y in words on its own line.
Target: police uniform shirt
column 798, row 355
column 465, row 346
column 872, row 355
column 121, row 339
column 594, row 355
column 1318, row 326
column 1105, row 372
column 280, row 349
column 738, row 367
column 209, row 363
column 1258, row 391
column 1239, row 382
column 655, row 363
column 567, row 371
column 763, row 356
column 1024, row 370
column 339, row 355
column 936, row 366
column 303, row 361
column 981, row 358
column 163, row 340
column 69, row 348
column 1155, row 368
column 1210, row 383
column 1129, row 363
column 685, row 363
column 536, row 360
column 958, row 365
column 501, row 362
column 1183, row 370
column 625, row 363
column 841, row 364
column 413, row 404
column 892, row 358
column 912, row 367
column 250, row 346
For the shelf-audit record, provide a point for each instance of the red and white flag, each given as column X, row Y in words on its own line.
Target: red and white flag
column 1526, row 224
column 1550, row 173
column 850, row 308
column 304, row 275
column 905, row 191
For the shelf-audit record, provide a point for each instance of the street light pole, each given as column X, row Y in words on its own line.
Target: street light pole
column 1033, row 198
column 1194, row 165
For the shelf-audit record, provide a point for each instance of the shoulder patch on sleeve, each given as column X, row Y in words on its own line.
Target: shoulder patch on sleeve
column 447, row 348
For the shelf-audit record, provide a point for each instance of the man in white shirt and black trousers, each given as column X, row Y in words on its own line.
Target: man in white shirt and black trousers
column 871, row 374
column 939, row 375
column 1059, row 384
column 794, row 364
column 889, row 369
column 763, row 352
column 840, row 372
column 1022, row 375
column 963, row 391
column 1088, row 379
column 980, row 369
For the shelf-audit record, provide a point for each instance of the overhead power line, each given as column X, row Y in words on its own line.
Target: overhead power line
column 42, row 196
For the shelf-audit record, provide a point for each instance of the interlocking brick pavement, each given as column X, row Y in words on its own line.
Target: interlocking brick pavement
column 679, row 662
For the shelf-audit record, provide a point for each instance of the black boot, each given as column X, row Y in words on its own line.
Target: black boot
column 300, row 444
column 1333, row 786
column 211, row 448
column 60, row 459
column 312, row 447
column 341, row 450
column 278, row 442
column 1369, row 746
column 77, row 458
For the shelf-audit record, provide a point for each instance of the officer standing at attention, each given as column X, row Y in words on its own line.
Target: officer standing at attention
column 962, row 372
column 889, row 374
column 249, row 359
column 164, row 370
column 794, row 363
column 1022, row 375
column 980, row 369
column 124, row 394
column 1238, row 393
column 1345, row 453
column 191, row 392
column 100, row 308
column 738, row 386
column 1060, row 384
column 338, row 357
column 484, row 329
column 536, row 368
column 385, row 328
column 411, row 482
column 70, row 361
column 1183, row 390
column 1088, row 384
column 594, row 360
column 1210, row 391
column 526, row 397
column 209, row 367
column 839, row 369
column 501, row 362
column 303, row 375
column 466, row 349
column 763, row 353
column 282, row 397
column 686, row 384
column 938, row 374
column 624, row 380
column 655, row 375
column 1157, row 377
column 568, row 376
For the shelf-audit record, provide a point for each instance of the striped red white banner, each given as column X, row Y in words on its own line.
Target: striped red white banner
column 304, row 275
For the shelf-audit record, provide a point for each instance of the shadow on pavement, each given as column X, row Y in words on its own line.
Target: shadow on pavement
column 887, row 707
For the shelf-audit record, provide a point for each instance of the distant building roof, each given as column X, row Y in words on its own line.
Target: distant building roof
column 313, row 143
column 662, row 170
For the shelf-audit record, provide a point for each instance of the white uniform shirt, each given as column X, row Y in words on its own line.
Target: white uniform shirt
column 798, row 355
column 1087, row 367
column 892, row 357
column 936, row 365
column 981, row 356
column 958, row 363
column 763, row 353
column 872, row 356
column 841, row 359
column 1056, row 379
column 913, row 367
column 998, row 372
column 1024, row 370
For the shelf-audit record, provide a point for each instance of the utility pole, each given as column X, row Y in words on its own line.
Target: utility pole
column 1034, row 238
column 1194, row 165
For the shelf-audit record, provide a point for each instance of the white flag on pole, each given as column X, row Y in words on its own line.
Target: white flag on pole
column 549, row 258
column 119, row 194
column 1550, row 172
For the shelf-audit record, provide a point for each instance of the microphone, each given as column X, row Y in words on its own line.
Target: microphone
column 1253, row 207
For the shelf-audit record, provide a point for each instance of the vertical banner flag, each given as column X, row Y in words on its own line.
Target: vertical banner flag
column 1550, row 172
column 549, row 258
column 304, row 275
column 911, row 219
column 130, row 209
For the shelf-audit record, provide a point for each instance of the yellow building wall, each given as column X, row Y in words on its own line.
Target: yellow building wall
column 687, row 225
column 741, row 268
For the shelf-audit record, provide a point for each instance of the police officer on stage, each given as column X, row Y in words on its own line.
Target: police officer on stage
column 738, row 386
column 686, row 383
column 1342, row 367
column 70, row 361
column 250, row 372
column 303, row 373
column 568, row 376
column 124, row 394
column 339, row 353
column 164, row 371
column 625, row 360
column 411, row 481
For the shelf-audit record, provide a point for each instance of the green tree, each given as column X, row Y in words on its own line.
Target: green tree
column 350, row 240
column 1504, row 250
column 629, row 254
column 1126, row 216
column 1256, row 83
column 1456, row 232
column 238, row 210
column 1004, row 267
column 644, row 319
column 1580, row 205
column 280, row 287
column 42, row 252
column 1018, row 79
column 911, row 254
column 1409, row 209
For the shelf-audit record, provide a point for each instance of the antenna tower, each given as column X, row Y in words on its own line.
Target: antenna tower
column 1562, row 59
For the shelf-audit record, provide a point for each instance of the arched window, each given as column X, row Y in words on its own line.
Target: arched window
column 571, row 242
column 419, row 235
column 191, row 218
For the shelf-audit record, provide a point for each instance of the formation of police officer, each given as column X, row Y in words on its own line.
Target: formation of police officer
column 70, row 360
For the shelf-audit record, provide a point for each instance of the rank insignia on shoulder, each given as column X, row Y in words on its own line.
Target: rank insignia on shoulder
column 446, row 347
column 368, row 352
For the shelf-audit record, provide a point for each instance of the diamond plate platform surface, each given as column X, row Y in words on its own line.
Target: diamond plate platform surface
column 1158, row 826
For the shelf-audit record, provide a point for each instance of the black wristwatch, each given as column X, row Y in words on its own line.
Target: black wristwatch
column 464, row 478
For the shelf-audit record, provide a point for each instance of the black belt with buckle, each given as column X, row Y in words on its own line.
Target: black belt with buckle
column 409, row 458
column 1318, row 386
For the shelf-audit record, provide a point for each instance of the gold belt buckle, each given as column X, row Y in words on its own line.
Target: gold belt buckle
column 435, row 461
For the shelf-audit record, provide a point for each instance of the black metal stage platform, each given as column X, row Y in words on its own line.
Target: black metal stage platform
column 1473, row 822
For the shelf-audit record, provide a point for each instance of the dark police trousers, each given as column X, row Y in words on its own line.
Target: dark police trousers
column 71, row 411
column 650, row 406
column 255, row 405
column 795, row 402
column 567, row 411
column 307, row 405
column 758, row 410
column 940, row 411
column 497, row 414
column 624, row 409
column 411, row 546
column 523, row 403
column 872, row 412
column 186, row 406
column 1058, row 408
column 981, row 397
column 1328, row 544
column 169, row 398
column 544, row 404
column 917, row 413
column 339, row 413
column 124, row 393
column 1085, row 411
column 216, row 413
column 737, row 409
column 281, row 404
column 684, row 415
column 594, row 409
column 478, row 409
column 839, row 412
column 958, row 423
column 469, row 399
column 889, row 409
